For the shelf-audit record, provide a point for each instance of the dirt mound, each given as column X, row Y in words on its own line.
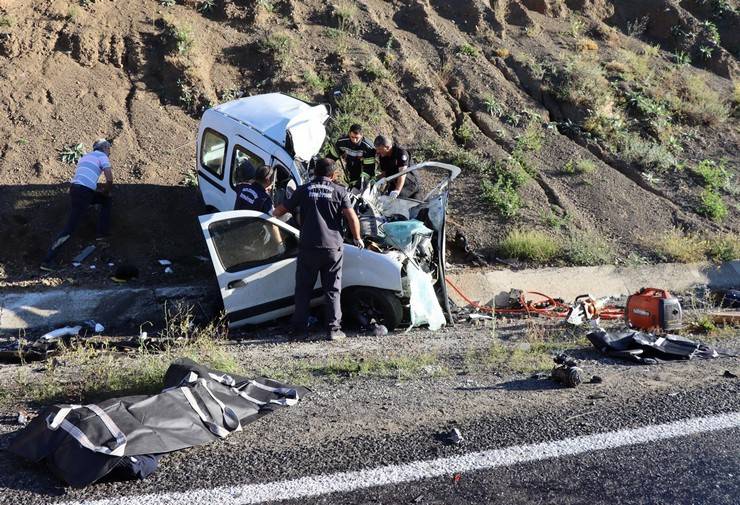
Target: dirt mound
column 590, row 120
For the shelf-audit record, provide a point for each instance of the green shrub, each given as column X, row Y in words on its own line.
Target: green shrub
column 376, row 70
column 693, row 100
column 724, row 247
column 6, row 21
column 356, row 104
column 71, row 153
column 713, row 175
column 712, row 205
column 317, row 83
column 181, row 37
column 492, row 106
column 674, row 245
column 529, row 245
column 585, row 85
column 589, row 249
column 280, row 47
column 579, row 166
column 646, row 153
column 503, row 196
column 465, row 133
column 467, row 50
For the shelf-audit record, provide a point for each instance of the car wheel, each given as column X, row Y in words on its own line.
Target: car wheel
column 362, row 305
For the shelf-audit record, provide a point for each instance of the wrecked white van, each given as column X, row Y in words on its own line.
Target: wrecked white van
column 254, row 255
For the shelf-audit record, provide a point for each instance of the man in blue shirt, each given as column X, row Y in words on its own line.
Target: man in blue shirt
column 84, row 192
column 255, row 195
column 324, row 205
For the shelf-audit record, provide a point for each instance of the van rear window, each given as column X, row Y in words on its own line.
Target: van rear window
column 213, row 152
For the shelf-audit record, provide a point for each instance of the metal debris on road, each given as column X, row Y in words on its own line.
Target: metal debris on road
column 453, row 437
column 87, row 251
column 566, row 371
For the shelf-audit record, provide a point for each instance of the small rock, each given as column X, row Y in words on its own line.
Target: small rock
column 729, row 375
column 596, row 379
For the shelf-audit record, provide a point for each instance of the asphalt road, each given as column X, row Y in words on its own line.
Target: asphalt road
column 361, row 424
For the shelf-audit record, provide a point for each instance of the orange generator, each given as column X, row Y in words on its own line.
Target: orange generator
column 653, row 309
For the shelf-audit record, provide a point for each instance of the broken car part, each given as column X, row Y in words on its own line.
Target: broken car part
column 642, row 347
column 566, row 371
column 198, row 405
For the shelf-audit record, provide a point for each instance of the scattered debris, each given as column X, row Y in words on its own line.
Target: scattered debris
column 475, row 316
column 87, row 251
column 82, row 444
column 725, row 317
column 165, row 263
column 596, row 396
column 425, row 308
column 585, row 308
column 477, row 259
column 61, row 332
column 168, row 270
column 75, row 264
column 378, row 330
column 566, row 371
column 596, row 379
column 729, row 375
column 23, row 417
column 202, row 258
column 647, row 348
column 453, row 437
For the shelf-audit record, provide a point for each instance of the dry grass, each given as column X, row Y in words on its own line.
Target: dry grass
column 674, row 245
column 530, row 245
column 585, row 44
column 692, row 99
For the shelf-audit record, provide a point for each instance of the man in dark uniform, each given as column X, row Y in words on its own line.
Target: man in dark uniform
column 323, row 205
column 357, row 154
column 394, row 159
column 255, row 195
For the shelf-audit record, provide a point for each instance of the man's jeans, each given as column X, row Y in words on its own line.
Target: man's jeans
column 81, row 198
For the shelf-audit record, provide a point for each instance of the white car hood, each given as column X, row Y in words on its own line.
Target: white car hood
column 307, row 131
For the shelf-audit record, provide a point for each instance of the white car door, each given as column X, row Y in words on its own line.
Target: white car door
column 254, row 258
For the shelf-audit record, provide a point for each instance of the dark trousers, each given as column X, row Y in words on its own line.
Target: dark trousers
column 355, row 170
column 80, row 198
column 312, row 262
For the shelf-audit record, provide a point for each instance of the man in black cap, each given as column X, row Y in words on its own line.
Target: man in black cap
column 255, row 195
column 357, row 154
column 324, row 205
column 394, row 159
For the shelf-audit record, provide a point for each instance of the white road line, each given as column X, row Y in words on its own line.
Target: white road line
column 398, row 474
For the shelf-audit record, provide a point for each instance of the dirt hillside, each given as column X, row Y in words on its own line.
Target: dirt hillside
column 604, row 125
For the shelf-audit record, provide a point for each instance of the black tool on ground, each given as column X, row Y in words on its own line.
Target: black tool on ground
column 653, row 309
column 566, row 371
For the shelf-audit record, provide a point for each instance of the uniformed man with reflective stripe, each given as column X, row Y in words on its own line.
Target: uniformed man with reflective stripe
column 357, row 154
column 255, row 195
column 83, row 192
column 392, row 160
column 324, row 205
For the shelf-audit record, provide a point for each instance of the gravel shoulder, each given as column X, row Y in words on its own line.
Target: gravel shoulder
column 352, row 421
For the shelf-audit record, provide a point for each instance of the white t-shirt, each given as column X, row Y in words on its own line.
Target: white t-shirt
column 89, row 169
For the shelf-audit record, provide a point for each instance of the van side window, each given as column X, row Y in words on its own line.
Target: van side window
column 243, row 243
column 213, row 152
column 241, row 154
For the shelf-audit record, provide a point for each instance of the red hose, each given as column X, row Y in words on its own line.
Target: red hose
column 547, row 308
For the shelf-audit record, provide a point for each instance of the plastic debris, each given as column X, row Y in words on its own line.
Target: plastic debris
column 23, row 417
column 168, row 270
column 92, row 267
column 165, row 263
column 475, row 316
column 425, row 308
column 87, row 251
column 75, row 264
column 647, row 348
column 61, row 332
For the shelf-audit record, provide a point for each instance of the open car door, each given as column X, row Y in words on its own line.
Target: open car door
column 434, row 180
column 254, row 257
